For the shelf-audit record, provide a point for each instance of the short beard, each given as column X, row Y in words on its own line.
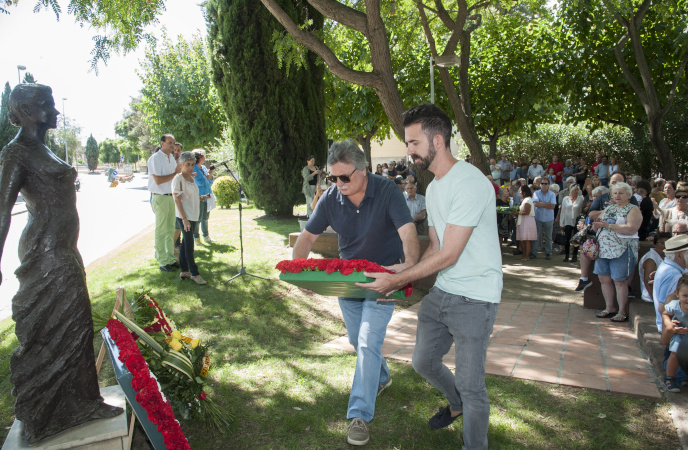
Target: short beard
column 425, row 162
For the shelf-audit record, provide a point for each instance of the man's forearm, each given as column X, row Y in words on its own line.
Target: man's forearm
column 411, row 247
column 160, row 179
column 302, row 248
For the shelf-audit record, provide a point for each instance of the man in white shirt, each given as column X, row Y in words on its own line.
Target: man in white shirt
column 535, row 170
column 464, row 251
column 162, row 167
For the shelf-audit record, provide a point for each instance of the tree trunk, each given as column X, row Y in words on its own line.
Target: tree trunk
column 364, row 141
column 667, row 163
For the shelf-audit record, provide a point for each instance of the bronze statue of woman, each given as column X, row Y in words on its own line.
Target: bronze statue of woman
column 53, row 369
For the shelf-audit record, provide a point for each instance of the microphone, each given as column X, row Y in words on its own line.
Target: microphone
column 223, row 163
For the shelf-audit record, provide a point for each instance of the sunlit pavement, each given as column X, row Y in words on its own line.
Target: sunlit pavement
column 108, row 217
column 550, row 342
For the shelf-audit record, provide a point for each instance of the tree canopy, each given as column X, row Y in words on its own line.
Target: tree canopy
column 178, row 95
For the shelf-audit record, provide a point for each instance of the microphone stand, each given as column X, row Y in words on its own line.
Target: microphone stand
column 242, row 271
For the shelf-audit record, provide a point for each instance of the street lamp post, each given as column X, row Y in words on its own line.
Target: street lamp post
column 442, row 61
column 64, row 129
column 19, row 69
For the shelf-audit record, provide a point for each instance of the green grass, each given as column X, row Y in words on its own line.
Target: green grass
column 286, row 390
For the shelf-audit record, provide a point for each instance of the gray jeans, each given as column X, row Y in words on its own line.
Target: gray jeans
column 545, row 227
column 445, row 319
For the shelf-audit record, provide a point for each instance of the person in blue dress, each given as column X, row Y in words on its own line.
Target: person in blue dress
column 204, row 179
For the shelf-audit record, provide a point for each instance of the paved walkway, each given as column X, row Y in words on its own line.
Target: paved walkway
column 551, row 342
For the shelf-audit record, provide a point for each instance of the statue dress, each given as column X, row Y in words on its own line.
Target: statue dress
column 53, row 369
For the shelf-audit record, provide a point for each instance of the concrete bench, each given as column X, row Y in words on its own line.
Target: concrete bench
column 328, row 247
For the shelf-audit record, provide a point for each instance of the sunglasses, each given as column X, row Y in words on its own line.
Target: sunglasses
column 682, row 196
column 541, row 183
column 344, row 178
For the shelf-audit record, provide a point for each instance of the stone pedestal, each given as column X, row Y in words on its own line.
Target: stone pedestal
column 104, row 434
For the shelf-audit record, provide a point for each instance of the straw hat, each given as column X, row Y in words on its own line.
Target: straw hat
column 676, row 244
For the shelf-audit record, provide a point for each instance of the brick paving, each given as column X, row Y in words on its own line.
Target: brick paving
column 552, row 342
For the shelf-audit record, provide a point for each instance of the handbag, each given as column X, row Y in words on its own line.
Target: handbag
column 580, row 236
column 591, row 248
column 560, row 238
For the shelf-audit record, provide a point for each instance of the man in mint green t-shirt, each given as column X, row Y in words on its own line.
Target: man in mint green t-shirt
column 464, row 251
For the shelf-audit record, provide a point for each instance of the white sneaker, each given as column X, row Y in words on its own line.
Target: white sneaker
column 198, row 241
column 208, row 240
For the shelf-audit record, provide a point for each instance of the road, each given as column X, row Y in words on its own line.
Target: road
column 108, row 217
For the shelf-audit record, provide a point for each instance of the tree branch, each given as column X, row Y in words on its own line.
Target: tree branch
column 674, row 85
column 637, row 88
column 310, row 41
column 341, row 13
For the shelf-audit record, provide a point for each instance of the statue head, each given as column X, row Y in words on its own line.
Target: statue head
column 32, row 104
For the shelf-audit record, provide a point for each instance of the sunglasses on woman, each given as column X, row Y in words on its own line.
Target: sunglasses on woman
column 344, row 178
column 682, row 196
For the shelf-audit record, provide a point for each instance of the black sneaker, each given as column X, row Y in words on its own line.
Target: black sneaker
column 358, row 432
column 442, row 419
column 631, row 294
column 583, row 285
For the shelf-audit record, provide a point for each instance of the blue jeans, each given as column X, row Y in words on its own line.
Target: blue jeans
column 366, row 323
column 202, row 221
column 545, row 227
column 445, row 319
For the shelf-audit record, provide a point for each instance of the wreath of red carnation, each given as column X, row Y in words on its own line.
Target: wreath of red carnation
column 343, row 266
column 147, row 390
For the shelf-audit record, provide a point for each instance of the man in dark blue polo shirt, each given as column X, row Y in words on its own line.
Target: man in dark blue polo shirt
column 369, row 214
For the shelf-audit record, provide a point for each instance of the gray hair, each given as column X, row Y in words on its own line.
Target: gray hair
column 198, row 151
column 624, row 186
column 680, row 225
column 187, row 156
column 600, row 190
column 554, row 187
column 347, row 152
column 503, row 191
column 672, row 256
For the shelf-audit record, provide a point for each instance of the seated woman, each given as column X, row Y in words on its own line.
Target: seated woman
column 618, row 253
column 669, row 216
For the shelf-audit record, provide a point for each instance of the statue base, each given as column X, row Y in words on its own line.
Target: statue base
column 104, row 434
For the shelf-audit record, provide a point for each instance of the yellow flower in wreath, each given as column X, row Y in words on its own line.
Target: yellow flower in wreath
column 194, row 343
column 175, row 344
column 176, row 335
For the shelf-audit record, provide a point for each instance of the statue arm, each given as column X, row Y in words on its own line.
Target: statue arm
column 11, row 181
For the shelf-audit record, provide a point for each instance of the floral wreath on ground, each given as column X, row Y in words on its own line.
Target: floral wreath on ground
column 180, row 365
column 343, row 266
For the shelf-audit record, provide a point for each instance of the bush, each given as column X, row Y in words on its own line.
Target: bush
column 226, row 189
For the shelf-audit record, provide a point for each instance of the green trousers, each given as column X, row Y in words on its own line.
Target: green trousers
column 163, row 207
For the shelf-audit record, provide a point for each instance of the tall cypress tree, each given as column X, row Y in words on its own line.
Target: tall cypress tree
column 91, row 153
column 276, row 119
column 7, row 130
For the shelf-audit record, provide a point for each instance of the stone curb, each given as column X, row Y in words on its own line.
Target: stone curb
column 642, row 319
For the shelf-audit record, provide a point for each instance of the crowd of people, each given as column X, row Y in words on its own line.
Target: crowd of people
column 181, row 198
column 569, row 204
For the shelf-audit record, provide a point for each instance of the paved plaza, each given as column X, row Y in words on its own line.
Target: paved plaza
column 552, row 342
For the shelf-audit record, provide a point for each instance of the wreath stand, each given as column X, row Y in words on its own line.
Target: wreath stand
column 124, row 378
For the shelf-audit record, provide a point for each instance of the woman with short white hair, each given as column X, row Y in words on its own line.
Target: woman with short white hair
column 618, row 250
column 571, row 207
